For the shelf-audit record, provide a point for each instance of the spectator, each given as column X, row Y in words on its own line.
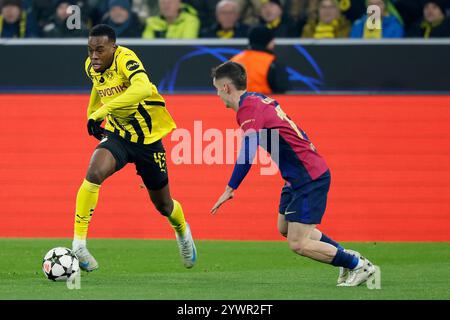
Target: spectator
column 98, row 9
column 272, row 17
column 172, row 23
column 410, row 11
column 57, row 28
column 250, row 11
column 145, row 8
column 227, row 25
column 206, row 10
column 298, row 9
column 352, row 9
column 264, row 73
column 124, row 22
column 15, row 22
column 43, row 11
column 330, row 24
column 434, row 24
column 393, row 11
column 390, row 25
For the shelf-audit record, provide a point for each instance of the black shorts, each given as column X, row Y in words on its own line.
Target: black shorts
column 306, row 204
column 150, row 159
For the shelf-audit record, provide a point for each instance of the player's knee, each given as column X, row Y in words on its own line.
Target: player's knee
column 299, row 247
column 95, row 175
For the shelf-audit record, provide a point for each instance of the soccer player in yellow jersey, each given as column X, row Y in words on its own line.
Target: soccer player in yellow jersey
column 136, row 121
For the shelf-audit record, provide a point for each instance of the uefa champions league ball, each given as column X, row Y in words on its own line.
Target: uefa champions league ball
column 60, row 264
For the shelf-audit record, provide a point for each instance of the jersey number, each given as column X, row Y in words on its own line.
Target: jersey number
column 283, row 116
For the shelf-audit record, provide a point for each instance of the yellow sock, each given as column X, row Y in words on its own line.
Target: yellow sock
column 176, row 218
column 86, row 201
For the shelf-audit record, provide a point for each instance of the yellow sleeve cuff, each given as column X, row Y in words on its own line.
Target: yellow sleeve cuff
column 100, row 114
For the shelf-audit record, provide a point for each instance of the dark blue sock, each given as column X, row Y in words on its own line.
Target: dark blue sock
column 326, row 239
column 344, row 259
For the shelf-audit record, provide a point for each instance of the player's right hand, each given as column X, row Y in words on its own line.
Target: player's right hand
column 94, row 129
column 227, row 195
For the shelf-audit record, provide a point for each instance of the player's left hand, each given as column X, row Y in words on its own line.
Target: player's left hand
column 94, row 129
column 227, row 195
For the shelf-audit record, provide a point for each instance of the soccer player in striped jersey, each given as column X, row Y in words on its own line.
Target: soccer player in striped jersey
column 307, row 177
column 136, row 121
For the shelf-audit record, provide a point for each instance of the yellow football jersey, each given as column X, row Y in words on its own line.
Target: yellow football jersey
column 130, row 102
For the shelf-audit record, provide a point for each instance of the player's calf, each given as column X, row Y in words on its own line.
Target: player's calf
column 312, row 249
column 299, row 240
column 162, row 200
column 164, row 208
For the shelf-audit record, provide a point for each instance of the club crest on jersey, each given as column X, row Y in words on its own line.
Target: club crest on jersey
column 132, row 65
column 108, row 75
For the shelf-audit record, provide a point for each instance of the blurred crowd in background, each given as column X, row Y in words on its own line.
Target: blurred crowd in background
column 225, row 19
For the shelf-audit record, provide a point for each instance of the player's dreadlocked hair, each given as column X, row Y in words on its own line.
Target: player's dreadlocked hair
column 232, row 70
column 103, row 30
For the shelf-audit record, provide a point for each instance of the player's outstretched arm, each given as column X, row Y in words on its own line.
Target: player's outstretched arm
column 241, row 168
column 227, row 195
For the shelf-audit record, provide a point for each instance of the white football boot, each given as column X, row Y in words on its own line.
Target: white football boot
column 186, row 245
column 359, row 275
column 344, row 272
column 87, row 261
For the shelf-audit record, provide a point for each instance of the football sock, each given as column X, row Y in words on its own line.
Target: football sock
column 77, row 243
column 360, row 264
column 344, row 259
column 176, row 218
column 326, row 239
column 86, row 201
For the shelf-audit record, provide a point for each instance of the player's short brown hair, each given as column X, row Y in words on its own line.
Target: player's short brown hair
column 232, row 70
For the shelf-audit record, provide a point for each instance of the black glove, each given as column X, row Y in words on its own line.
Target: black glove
column 94, row 129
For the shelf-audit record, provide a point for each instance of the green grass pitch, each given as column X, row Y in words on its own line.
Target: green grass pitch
column 228, row 270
